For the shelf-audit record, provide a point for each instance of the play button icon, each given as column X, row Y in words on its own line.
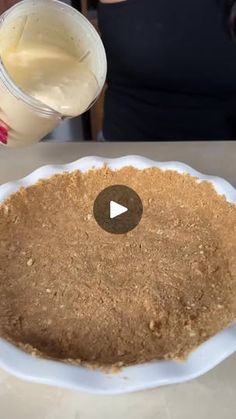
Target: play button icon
column 118, row 209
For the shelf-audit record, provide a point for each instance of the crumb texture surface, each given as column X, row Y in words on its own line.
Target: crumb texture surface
column 69, row 290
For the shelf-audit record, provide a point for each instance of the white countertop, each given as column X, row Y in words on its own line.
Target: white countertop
column 211, row 395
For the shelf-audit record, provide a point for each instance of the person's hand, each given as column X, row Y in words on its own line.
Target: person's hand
column 3, row 133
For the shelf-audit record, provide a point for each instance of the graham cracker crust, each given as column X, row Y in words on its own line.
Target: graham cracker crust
column 71, row 291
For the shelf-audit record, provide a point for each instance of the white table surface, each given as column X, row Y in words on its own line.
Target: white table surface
column 213, row 395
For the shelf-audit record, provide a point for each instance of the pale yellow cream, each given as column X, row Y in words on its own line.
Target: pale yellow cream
column 54, row 77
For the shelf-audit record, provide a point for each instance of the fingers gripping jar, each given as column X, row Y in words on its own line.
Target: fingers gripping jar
column 24, row 118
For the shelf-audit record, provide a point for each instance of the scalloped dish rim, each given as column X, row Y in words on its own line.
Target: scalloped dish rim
column 136, row 377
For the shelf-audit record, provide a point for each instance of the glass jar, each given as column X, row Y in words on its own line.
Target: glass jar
column 24, row 119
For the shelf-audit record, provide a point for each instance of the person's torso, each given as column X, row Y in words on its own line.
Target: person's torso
column 170, row 55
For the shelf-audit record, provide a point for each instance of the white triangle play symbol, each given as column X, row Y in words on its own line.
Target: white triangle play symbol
column 116, row 209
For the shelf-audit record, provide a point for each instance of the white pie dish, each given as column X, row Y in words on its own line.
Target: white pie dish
column 129, row 379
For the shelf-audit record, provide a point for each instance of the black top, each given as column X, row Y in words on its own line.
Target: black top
column 171, row 70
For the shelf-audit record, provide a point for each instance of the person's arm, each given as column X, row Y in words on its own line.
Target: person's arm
column 5, row 4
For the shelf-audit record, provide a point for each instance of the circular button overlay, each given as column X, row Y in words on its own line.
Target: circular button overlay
column 118, row 209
